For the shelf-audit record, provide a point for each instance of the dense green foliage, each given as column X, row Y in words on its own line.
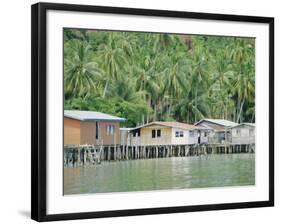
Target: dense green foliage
column 146, row 76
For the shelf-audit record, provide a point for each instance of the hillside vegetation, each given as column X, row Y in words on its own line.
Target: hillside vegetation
column 145, row 77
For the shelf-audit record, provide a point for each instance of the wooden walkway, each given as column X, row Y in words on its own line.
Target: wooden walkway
column 81, row 155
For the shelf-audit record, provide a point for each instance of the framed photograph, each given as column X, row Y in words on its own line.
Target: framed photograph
column 140, row 111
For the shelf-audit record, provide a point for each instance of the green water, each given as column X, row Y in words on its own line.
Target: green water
column 158, row 174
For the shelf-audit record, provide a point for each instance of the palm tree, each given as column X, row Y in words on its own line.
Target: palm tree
column 81, row 72
column 244, row 86
column 223, row 71
column 147, row 81
column 112, row 59
column 162, row 41
column 199, row 78
column 125, row 89
column 176, row 82
column 189, row 109
column 245, row 90
column 148, row 76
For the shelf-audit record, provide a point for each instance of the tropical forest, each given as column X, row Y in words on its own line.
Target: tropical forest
column 146, row 77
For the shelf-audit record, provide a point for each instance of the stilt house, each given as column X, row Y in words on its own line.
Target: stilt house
column 168, row 133
column 243, row 133
column 220, row 129
column 90, row 127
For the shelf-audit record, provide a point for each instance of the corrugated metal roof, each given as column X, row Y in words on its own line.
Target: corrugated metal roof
column 125, row 129
column 91, row 115
column 172, row 124
column 248, row 124
column 222, row 122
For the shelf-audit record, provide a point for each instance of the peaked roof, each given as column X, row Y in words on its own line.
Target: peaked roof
column 247, row 124
column 90, row 115
column 221, row 122
column 172, row 124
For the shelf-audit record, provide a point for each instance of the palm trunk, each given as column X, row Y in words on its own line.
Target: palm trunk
column 234, row 114
column 226, row 109
column 237, row 109
column 169, row 107
column 252, row 119
column 240, row 111
column 105, row 89
column 222, row 112
column 149, row 106
column 195, row 114
column 154, row 112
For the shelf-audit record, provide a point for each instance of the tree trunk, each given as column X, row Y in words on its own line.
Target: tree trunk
column 226, row 112
column 154, row 112
column 237, row 109
column 105, row 89
column 195, row 114
column 253, row 117
column 149, row 106
column 234, row 114
column 240, row 111
column 169, row 107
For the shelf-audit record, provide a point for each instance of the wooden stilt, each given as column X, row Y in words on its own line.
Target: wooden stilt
column 81, row 155
column 156, row 152
column 78, row 156
column 109, row 153
column 84, row 156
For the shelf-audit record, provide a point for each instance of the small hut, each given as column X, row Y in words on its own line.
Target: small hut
column 220, row 129
column 243, row 133
column 91, row 127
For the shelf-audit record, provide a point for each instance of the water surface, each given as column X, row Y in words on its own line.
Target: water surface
column 163, row 173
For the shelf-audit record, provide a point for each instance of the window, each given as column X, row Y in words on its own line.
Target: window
column 191, row 133
column 110, row 129
column 179, row 134
column 205, row 134
column 158, row 133
column 153, row 133
column 97, row 130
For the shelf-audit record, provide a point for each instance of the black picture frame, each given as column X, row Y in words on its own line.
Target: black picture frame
column 39, row 108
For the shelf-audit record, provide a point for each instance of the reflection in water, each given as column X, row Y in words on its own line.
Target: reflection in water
column 166, row 173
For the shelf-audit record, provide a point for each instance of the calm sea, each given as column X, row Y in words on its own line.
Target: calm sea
column 163, row 173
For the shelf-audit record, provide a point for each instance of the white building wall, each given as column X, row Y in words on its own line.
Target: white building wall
column 135, row 141
column 180, row 140
column 204, row 137
column 243, row 135
column 190, row 137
